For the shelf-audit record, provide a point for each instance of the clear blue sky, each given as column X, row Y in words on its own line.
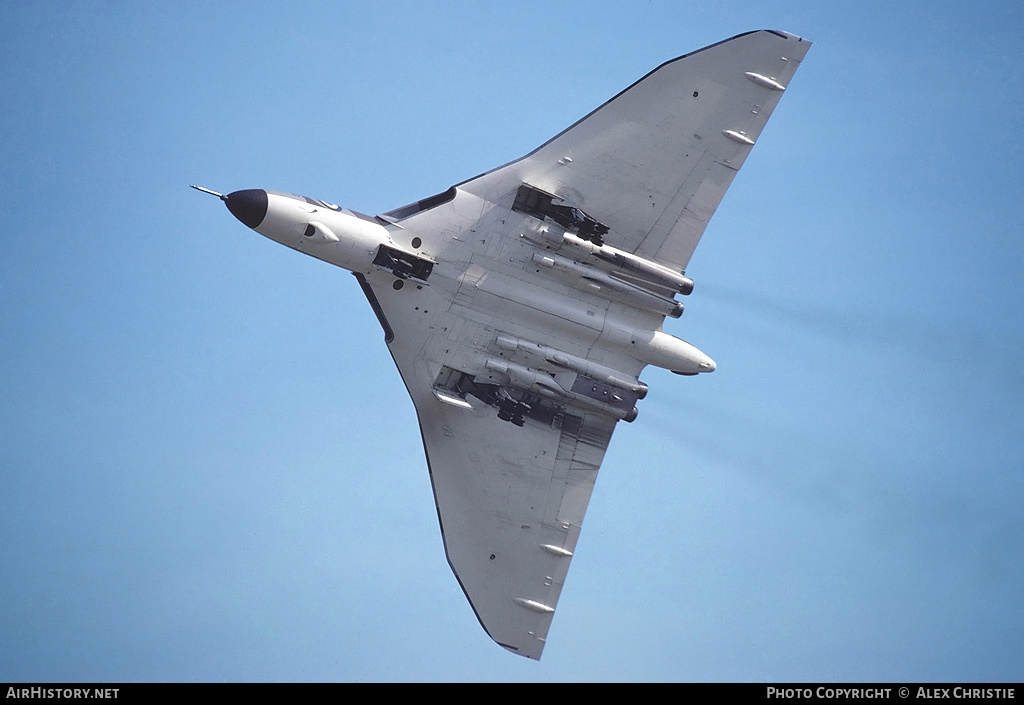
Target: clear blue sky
column 210, row 470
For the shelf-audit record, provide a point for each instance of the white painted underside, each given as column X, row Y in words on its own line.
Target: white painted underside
column 652, row 164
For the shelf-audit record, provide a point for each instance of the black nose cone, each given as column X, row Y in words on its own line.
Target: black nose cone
column 249, row 206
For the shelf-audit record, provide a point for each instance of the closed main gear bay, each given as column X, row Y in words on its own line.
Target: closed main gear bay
column 521, row 306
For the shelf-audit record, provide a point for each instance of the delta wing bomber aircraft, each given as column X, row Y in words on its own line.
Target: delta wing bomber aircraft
column 521, row 306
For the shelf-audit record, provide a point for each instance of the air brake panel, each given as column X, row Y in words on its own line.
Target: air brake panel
column 403, row 264
column 539, row 204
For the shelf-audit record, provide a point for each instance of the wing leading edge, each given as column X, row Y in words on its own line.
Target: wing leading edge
column 518, row 376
